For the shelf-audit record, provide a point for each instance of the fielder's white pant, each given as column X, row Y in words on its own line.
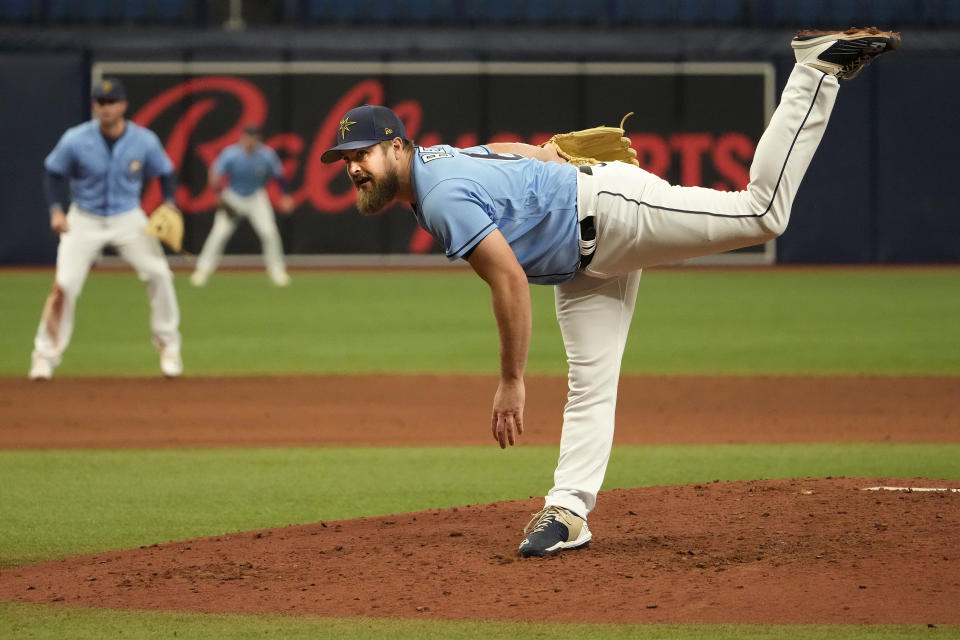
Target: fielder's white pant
column 256, row 207
column 80, row 246
column 642, row 221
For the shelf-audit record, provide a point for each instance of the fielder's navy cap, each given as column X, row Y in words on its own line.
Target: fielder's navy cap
column 109, row 89
column 362, row 127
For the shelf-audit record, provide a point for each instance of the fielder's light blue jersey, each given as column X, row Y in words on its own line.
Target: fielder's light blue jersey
column 462, row 195
column 248, row 172
column 102, row 181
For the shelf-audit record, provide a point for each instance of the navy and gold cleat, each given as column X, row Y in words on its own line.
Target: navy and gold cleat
column 552, row 530
column 843, row 54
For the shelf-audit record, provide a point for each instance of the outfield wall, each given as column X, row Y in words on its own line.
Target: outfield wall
column 878, row 191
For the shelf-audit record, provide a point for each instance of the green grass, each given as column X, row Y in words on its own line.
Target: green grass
column 45, row 621
column 57, row 503
column 889, row 321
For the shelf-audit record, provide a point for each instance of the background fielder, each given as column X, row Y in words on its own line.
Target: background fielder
column 101, row 167
column 248, row 165
column 589, row 231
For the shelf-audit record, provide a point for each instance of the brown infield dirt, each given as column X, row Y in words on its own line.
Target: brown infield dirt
column 818, row 550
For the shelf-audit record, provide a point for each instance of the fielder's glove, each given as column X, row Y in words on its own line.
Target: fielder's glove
column 599, row 144
column 166, row 224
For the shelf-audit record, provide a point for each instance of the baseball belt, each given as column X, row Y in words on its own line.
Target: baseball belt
column 586, row 206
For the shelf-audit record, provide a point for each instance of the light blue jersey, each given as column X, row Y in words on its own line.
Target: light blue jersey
column 108, row 182
column 464, row 194
column 248, row 172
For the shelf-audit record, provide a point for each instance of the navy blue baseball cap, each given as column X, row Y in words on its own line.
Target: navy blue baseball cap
column 108, row 89
column 364, row 126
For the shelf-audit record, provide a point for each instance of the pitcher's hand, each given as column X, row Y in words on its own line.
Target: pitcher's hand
column 548, row 153
column 507, row 419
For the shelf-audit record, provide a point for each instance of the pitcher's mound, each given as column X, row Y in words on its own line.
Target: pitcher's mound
column 787, row 551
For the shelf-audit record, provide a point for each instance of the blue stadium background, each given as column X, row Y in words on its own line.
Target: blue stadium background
column 879, row 191
column 305, row 13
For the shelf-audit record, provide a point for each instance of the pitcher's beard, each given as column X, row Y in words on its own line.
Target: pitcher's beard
column 379, row 195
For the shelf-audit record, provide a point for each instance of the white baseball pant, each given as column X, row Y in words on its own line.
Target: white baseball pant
column 641, row 221
column 79, row 248
column 256, row 207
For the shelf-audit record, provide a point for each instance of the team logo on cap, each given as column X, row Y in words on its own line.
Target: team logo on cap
column 387, row 130
column 107, row 86
column 345, row 125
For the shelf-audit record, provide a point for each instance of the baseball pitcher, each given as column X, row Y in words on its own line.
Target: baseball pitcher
column 521, row 214
column 99, row 169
